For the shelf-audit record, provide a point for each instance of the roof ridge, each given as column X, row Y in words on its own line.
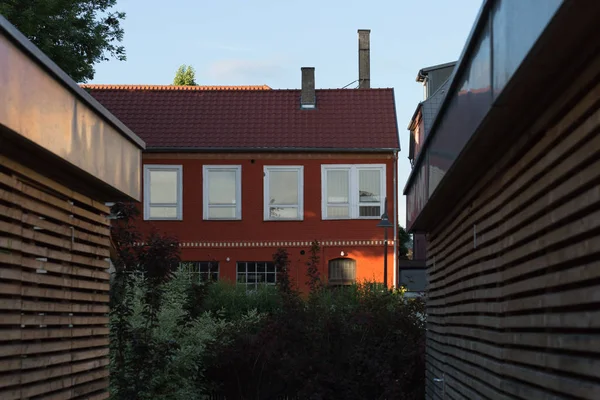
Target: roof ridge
column 94, row 86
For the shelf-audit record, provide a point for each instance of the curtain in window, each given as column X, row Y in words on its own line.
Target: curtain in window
column 222, row 193
column 163, row 194
column 338, row 193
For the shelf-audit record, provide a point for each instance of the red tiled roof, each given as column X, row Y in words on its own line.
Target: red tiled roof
column 92, row 86
column 255, row 119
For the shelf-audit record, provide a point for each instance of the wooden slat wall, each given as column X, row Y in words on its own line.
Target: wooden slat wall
column 54, row 285
column 514, row 272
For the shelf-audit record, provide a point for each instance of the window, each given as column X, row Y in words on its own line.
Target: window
column 283, row 193
column 222, row 192
column 254, row 273
column 342, row 271
column 415, row 280
column 353, row 191
column 201, row 271
column 163, row 192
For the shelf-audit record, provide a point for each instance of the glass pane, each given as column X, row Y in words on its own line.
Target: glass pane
column 221, row 212
column 241, row 277
column 270, row 278
column 163, row 212
column 283, row 187
column 369, row 211
column 221, row 187
column 369, row 185
column 415, row 280
column 338, row 211
column 338, row 188
column 163, row 186
column 251, row 267
column 241, row 267
column 284, row 212
column 270, row 267
column 260, row 267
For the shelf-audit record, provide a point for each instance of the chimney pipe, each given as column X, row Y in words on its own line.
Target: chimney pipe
column 364, row 59
column 308, row 98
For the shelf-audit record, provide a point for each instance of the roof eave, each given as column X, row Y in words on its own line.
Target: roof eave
column 65, row 80
column 151, row 149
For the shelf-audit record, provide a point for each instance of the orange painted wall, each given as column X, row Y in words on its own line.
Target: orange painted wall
column 252, row 227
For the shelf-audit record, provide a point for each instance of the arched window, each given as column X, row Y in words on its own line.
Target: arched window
column 342, row 271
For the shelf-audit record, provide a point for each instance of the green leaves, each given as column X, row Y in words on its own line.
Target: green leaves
column 185, row 76
column 75, row 34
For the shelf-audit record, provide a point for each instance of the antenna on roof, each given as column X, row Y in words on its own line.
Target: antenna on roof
column 354, row 81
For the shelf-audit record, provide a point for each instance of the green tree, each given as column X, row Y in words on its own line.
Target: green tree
column 404, row 240
column 185, row 76
column 75, row 34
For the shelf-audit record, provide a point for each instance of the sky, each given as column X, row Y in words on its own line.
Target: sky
column 237, row 42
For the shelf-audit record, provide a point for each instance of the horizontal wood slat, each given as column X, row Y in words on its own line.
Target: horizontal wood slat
column 513, row 307
column 54, row 284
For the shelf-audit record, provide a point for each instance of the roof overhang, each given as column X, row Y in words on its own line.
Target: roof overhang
column 423, row 72
column 265, row 150
column 514, row 107
column 47, row 116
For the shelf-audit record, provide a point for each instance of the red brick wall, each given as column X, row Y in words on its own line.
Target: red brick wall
column 232, row 236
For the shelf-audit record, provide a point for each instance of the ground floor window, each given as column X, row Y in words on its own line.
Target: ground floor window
column 342, row 271
column 415, row 280
column 254, row 273
column 201, row 271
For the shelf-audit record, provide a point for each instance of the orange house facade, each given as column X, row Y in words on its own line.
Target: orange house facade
column 236, row 173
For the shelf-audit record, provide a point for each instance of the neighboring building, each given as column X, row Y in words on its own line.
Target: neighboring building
column 506, row 185
column 435, row 80
column 62, row 155
column 236, row 174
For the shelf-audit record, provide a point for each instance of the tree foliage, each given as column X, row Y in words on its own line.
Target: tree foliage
column 75, row 34
column 175, row 339
column 185, row 76
column 404, row 239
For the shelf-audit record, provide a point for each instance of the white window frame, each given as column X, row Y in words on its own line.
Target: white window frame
column 354, row 199
column 238, row 190
column 179, row 205
column 299, row 169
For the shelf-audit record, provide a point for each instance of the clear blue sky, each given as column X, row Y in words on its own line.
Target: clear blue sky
column 236, row 42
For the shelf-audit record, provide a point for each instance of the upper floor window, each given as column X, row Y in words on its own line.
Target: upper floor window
column 353, row 191
column 222, row 192
column 283, row 193
column 163, row 192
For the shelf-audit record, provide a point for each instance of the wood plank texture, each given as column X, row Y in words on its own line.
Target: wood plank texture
column 513, row 307
column 54, row 284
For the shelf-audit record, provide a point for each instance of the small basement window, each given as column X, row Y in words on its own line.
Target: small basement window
column 342, row 271
column 201, row 271
column 255, row 273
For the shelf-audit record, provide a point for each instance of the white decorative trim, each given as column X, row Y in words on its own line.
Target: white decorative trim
column 242, row 244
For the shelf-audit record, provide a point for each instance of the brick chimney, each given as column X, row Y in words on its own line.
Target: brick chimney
column 308, row 98
column 364, row 59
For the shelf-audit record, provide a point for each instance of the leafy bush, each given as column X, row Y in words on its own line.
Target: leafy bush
column 172, row 338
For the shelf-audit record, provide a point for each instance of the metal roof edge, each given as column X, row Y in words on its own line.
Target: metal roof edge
column 50, row 66
column 266, row 150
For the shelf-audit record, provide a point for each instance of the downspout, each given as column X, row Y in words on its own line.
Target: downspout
column 395, row 218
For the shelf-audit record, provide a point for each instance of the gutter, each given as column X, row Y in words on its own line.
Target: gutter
column 395, row 278
column 65, row 80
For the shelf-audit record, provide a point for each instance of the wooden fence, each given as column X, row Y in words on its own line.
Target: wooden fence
column 514, row 295
column 54, row 285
